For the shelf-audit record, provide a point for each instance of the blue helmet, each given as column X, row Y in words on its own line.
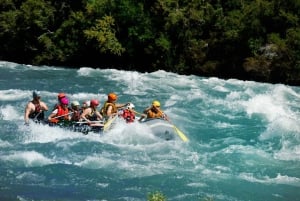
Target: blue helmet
column 35, row 94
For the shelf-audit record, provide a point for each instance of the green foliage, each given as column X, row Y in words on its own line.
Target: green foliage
column 36, row 14
column 255, row 44
column 221, row 38
column 7, row 5
column 8, row 22
column 276, row 39
column 293, row 38
column 98, row 7
column 156, row 196
column 163, row 43
column 104, row 34
column 233, row 25
column 293, row 42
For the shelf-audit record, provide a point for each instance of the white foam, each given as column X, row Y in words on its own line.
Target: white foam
column 131, row 134
column 221, row 88
column 27, row 158
column 5, row 144
column 8, row 112
column 125, row 163
column 266, row 106
column 44, row 134
column 288, row 152
column 13, row 94
column 6, row 64
column 30, row 177
column 279, row 179
column 274, row 107
column 85, row 71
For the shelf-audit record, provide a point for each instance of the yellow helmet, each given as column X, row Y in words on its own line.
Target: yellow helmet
column 156, row 103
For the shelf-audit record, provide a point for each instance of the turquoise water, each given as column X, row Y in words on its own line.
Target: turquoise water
column 244, row 139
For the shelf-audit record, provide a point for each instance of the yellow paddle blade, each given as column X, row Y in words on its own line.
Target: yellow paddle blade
column 181, row 134
column 108, row 123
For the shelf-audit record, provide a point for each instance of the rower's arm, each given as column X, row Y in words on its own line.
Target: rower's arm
column 27, row 113
column 45, row 107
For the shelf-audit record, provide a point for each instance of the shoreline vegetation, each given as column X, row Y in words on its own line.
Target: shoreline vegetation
column 243, row 39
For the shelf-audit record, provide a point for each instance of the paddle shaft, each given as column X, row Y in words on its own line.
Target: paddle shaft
column 85, row 122
column 63, row 115
column 179, row 132
column 38, row 114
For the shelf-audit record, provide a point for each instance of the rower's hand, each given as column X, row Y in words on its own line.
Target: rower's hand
column 165, row 117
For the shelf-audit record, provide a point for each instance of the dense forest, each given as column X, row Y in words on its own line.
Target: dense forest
column 245, row 39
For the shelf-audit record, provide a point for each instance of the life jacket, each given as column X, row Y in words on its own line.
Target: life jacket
column 38, row 113
column 153, row 114
column 55, row 106
column 105, row 108
column 60, row 112
column 128, row 115
column 92, row 116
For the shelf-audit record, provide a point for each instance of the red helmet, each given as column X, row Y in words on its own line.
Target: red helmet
column 94, row 102
column 112, row 97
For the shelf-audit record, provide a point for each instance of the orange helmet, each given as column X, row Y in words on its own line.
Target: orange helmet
column 61, row 95
column 94, row 102
column 112, row 97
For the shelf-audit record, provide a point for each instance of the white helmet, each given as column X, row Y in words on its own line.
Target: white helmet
column 75, row 103
column 130, row 106
column 87, row 103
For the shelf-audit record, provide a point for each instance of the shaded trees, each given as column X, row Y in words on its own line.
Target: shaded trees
column 244, row 39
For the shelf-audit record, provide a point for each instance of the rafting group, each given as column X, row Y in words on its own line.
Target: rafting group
column 87, row 117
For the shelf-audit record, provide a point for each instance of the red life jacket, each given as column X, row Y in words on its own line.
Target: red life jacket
column 64, row 113
column 128, row 115
column 61, row 111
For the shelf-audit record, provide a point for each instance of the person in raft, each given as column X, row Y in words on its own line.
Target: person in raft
column 59, row 97
column 110, row 107
column 61, row 113
column 35, row 109
column 75, row 108
column 128, row 113
column 91, row 115
column 153, row 111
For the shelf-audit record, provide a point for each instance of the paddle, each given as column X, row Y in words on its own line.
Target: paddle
column 109, row 122
column 35, row 118
column 180, row 134
column 85, row 122
column 63, row 115
column 38, row 114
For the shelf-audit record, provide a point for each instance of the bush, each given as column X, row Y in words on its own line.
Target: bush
column 156, row 196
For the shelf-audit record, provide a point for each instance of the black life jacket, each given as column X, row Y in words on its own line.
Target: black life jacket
column 38, row 114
